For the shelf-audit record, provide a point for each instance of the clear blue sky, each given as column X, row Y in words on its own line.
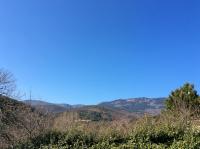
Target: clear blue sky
column 88, row 51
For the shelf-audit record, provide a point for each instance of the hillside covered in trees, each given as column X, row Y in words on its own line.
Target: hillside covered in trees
column 23, row 126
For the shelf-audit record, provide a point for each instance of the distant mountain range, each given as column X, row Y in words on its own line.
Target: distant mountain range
column 137, row 105
column 50, row 107
column 120, row 109
column 131, row 105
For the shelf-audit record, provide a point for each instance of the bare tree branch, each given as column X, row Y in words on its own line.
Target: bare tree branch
column 7, row 83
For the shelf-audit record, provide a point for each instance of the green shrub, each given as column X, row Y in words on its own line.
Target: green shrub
column 153, row 139
column 164, row 132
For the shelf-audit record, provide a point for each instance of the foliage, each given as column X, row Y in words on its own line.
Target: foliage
column 94, row 115
column 148, row 133
column 19, row 122
column 185, row 97
column 160, row 139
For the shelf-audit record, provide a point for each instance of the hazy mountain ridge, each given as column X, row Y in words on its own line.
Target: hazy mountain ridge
column 47, row 107
column 138, row 105
column 132, row 105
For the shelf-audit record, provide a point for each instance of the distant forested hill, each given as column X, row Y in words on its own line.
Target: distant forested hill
column 137, row 105
column 131, row 105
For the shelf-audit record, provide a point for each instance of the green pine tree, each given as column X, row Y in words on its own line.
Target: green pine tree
column 183, row 97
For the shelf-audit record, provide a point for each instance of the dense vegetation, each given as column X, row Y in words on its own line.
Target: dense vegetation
column 19, row 121
column 185, row 97
column 178, row 126
column 165, row 131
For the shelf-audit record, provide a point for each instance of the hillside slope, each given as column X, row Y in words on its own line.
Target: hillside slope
column 50, row 107
column 18, row 121
column 47, row 107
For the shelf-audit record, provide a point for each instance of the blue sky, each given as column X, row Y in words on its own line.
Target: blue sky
column 88, row 51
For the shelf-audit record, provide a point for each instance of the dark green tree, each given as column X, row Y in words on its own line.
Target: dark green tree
column 185, row 97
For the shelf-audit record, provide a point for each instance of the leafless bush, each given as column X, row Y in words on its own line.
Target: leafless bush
column 20, row 122
column 7, row 83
